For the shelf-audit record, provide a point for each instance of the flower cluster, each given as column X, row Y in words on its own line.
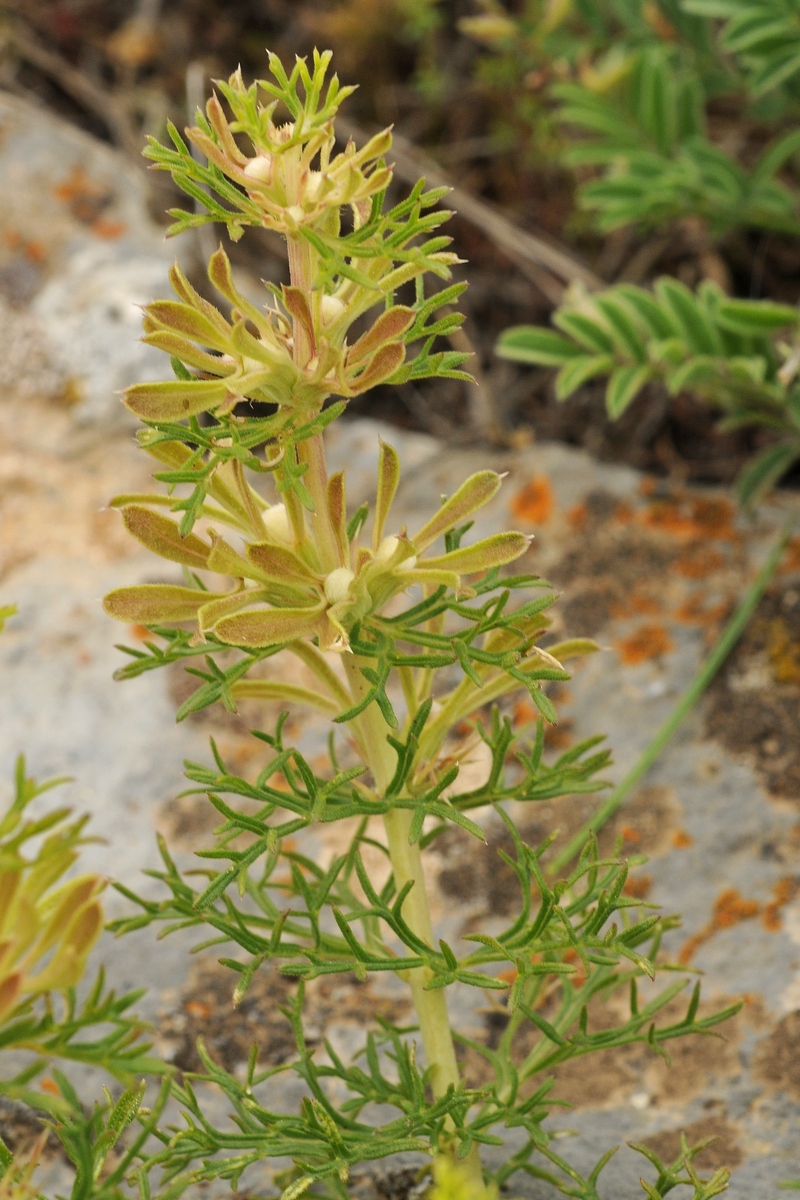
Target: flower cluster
column 38, row 919
column 284, row 591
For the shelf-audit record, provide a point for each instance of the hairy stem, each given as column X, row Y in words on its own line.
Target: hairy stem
column 430, row 1006
column 312, row 453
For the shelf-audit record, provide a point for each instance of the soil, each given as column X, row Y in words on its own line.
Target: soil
column 205, row 1010
column 777, row 1057
column 474, row 873
column 723, row 1151
column 607, row 1078
column 21, row 1129
column 382, row 1183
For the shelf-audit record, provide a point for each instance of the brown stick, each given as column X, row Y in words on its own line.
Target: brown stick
column 94, row 98
column 549, row 267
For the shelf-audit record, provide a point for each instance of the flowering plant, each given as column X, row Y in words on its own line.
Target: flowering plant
column 419, row 610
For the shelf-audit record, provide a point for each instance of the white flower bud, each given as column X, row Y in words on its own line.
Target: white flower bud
column 387, row 548
column 295, row 212
column 277, row 523
column 332, row 308
column 337, row 584
column 260, row 168
column 313, row 185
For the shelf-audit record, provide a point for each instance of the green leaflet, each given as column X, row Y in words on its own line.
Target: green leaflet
column 579, row 371
column 269, row 627
column 528, row 343
column 476, row 491
column 154, row 603
column 721, row 349
column 174, row 401
column 765, row 470
column 162, row 536
column 493, row 551
column 756, row 317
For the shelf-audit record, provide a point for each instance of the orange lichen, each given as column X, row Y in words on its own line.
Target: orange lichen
column 558, row 737
column 783, row 891
column 696, row 612
column 638, row 886
column 730, row 908
column 714, row 517
column 33, row 251
column 577, row 516
column 682, row 840
column 50, row 1086
column 649, row 641
column 687, row 517
column 791, row 558
column 629, row 834
column 140, row 632
column 624, row 513
column 524, row 712
column 534, row 504
column 783, row 653
column 196, row 1008
column 573, row 958
column 698, row 561
column 87, row 201
column 639, row 602
column 108, row 230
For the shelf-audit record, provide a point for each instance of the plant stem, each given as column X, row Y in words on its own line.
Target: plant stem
column 727, row 640
column 430, row 1006
column 312, row 452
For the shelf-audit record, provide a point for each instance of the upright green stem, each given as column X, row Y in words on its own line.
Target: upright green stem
column 406, row 859
column 312, row 453
column 727, row 640
column 312, row 450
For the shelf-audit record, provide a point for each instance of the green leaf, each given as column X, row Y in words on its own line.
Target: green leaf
column 754, row 318
column 577, row 372
column 585, row 330
column 623, row 328
column 163, row 537
column 269, row 627
column 765, row 470
column 531, row 344
column 154, row 603
column 623, row 386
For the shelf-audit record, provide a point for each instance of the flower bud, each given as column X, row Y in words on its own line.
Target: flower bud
column 332, row 309
column 313, row 185
column 260, row 168
column 387, row 548
column 277, row 524
column 337, row 584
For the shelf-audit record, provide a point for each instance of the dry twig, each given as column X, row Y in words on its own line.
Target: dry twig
column 90, row 95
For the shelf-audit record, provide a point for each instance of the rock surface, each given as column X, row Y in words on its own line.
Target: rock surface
column 78, row 250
